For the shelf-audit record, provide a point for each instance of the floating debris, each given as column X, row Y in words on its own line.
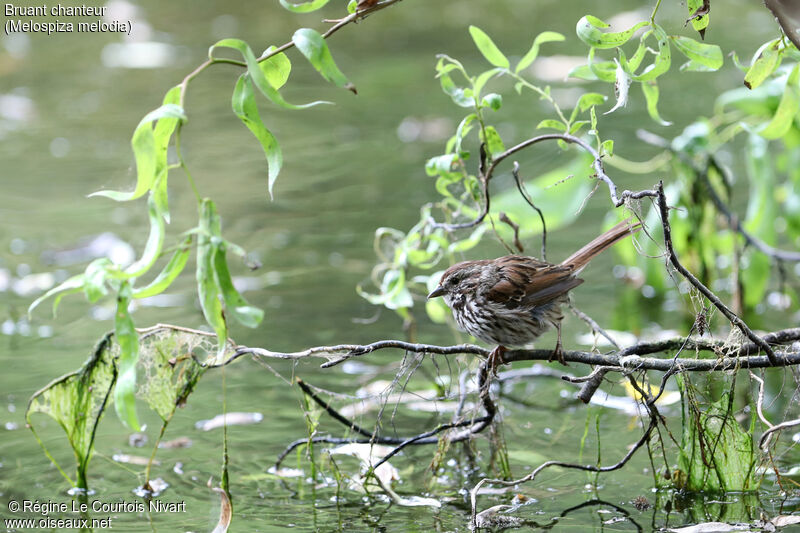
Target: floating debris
column 230, row 419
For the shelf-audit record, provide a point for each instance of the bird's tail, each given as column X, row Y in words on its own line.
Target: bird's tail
column 581, row 258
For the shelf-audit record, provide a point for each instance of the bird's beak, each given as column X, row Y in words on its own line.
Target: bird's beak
column 438, row 291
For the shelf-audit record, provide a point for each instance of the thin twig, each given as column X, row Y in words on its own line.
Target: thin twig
column 526, row 197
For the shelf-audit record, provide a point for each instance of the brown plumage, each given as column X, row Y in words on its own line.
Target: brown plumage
column 512, row 300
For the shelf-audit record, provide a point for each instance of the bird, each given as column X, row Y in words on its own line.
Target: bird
column 512, row 300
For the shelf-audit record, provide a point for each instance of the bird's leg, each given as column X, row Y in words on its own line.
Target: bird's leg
column 558, row 353
column 496, row 359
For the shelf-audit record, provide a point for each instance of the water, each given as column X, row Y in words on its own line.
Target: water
column 346, row 173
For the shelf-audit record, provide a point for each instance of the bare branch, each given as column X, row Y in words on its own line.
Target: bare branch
column 673, row 257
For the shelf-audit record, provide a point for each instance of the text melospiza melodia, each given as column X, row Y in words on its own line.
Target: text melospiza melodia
column 512, row 300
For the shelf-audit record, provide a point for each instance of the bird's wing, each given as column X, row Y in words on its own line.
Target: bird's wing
column 528, row 282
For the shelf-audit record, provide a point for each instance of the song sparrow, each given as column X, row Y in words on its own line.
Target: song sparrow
column 512, row 300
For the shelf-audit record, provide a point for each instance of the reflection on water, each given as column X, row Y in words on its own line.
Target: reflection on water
column 68, row 105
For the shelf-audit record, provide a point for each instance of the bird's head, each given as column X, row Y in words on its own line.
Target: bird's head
column 459, row 279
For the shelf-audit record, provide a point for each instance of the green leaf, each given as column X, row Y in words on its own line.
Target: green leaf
column 469, row 243
column 533, row 53
column 663, row 59
column 487, row 47
column 493, row 101
column 699, row 23
column 586, row 101
column 145, row 153
column 604, row 70
column 235, row 304
column 128, row 341
column 784, row 116
column 77, row 402
column 483, row 78
column 312, row 45
column 638, row 56
column 552, row 124
column 95, row 276
column 162, row 133
column 207, row 287
column 244, row 105
column 651, row 93
column 589, row 31
column 494, row 144
column 276, row 68
column 462, row 130
column 155, row 242
column 441, row 164
column 460, row 96
column 170, row 272
column 764, row 66
column 709, row 55
column 256, row 74
column 607, row 147
column 305, row 7
column 70, row 286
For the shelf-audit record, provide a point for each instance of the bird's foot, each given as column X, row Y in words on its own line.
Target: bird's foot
column 496, row 359
column 558, row 352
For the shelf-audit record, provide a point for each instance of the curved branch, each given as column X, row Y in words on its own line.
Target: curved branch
column 617, row 199
column 732, row 317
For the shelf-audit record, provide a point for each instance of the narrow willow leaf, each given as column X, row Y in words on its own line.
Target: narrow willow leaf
column 276, row 68
column 763, row 67
column 709, row 55
column 784, row 116
column 469, row 243
column 586, row 101
column 170, row 272
column 663, row 59
column 256, row 74
column 759, row 220
column 589, row 31
column 603, row 70
column 552, row 124
column 636, row 59
column 162, row 133
column 312, row 45
column 582, row 72
column 235, row 304
column 487, row 47
column 533, row 53
column 95, row 276
column 244, row 105
column 77, row 402
column 483, row 78
column 462, row 130
column 698, row 23
column 155, row 242
column 305, row 7
column 70, row 286
column 493, row 101
column 144, row 151
column 207, row 287
column 459, row 95
column 651, row 93
column 494, row 144
column 128, row 341
column 441, row 164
